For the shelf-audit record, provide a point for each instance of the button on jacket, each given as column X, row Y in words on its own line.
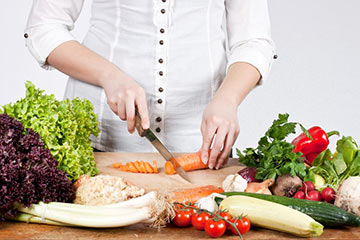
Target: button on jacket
column 177, row 50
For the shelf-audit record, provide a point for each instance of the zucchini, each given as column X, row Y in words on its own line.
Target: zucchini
column 325, row 213
column 272, row 215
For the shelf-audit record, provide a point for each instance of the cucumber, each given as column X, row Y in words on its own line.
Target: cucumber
column 325, row 213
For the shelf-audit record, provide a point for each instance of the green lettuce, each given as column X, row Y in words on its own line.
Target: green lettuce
column 64, row 126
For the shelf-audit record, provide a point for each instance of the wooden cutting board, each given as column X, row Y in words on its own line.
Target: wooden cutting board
column 161, row 180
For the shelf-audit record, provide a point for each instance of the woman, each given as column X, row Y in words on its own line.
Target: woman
column 166, row 58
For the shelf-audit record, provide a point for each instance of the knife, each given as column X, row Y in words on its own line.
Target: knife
column 149, row 134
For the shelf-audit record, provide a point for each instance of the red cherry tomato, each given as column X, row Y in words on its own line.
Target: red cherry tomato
column 192, row 210
column 199, row 220
column 215, row 228
column 182, row 218
column 243, row 225
column 226, row 216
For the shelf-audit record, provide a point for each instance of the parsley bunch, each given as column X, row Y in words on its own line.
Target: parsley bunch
column 274, row 156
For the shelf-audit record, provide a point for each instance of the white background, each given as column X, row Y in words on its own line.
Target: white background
column 316, row 78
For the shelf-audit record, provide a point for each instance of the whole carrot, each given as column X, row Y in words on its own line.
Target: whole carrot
column 193, row 194
column 190, row 161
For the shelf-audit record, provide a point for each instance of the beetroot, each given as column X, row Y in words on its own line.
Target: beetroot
column 328, row 194
column 249, row 174
column 313, row 195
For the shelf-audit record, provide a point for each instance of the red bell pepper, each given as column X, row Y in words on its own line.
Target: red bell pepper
column 311, row 148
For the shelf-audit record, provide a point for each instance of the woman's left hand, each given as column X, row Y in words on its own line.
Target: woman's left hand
column 219, row 129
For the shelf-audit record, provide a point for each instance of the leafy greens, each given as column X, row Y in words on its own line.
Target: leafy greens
column 64, row 126
column 274, row 156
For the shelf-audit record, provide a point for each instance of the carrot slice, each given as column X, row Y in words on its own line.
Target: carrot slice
column 132, row 168
column 194, row 194
column 169, row 168
column 148, row 167
column 116, row 165
column 142, row 167
column 124, row 168
column 155, row 167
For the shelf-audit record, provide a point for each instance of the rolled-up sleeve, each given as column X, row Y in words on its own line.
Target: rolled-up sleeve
column 49, row 25
column 249, row 34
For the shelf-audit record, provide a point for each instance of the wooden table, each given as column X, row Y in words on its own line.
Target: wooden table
column 15, row 230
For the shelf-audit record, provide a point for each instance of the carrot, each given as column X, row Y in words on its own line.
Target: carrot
column 155, row 167
column 193, row 194
column 137, row 167
column 190, row 161
column 169, row 168
column 149, row 168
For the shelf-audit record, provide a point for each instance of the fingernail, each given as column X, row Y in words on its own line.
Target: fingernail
column 211, row 166
column 204, row 158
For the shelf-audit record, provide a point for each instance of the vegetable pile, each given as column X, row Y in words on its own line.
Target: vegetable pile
column 64, row 126
column 28, row 172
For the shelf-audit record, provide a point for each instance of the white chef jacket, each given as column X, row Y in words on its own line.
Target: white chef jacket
column 177, row 50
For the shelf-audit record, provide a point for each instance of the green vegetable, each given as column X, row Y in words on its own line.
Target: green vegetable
column 337, row 167
column 64, row 126
column 325, row 213
column 274, row 156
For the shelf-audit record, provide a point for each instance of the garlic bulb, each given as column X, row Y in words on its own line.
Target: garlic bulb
column 209, row 203
column 234, row 183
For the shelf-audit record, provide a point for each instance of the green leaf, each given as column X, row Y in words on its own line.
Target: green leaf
column 339, row 163
column 348, row 151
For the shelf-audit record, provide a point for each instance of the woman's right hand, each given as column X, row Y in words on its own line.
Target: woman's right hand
column 124, row 95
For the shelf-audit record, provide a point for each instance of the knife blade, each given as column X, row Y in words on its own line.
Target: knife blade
column 149, row 134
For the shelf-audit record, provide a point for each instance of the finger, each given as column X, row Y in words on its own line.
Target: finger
column 113, row 107
column 141, row 104
column 130, row 114
column 121, row 110
column 208, row 132
column 218, row 143
column 228, row 143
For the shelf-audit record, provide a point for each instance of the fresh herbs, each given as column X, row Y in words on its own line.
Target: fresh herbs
column 28, row 172
column 337, row 167
column 64, row 126
column 274, row 156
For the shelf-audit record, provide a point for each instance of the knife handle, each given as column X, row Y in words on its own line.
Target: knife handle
column 138, row 126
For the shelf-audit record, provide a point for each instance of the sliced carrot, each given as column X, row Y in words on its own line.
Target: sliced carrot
column 124, row 168
column 190, row 161
column 136, row 164
column 132, row 168
column 142, row 167
column 149, row 168
column 116, row 165
column 169, row 168
column 194, row 194
column 155, row 167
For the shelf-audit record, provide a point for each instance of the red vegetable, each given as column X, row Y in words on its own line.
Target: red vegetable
column 299, row 195
column 182, row 218
column 328, row 194
column 311, row 148
column 226, row 216
column 307, row 186
column 215, row 227
column 199, row 220
column 243, row 225
column 249, row 174
column 313, row 195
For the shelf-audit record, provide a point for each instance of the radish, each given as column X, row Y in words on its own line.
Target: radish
column 307, row 186
column 313, row 195
column 299, row 195
column 328, row 194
